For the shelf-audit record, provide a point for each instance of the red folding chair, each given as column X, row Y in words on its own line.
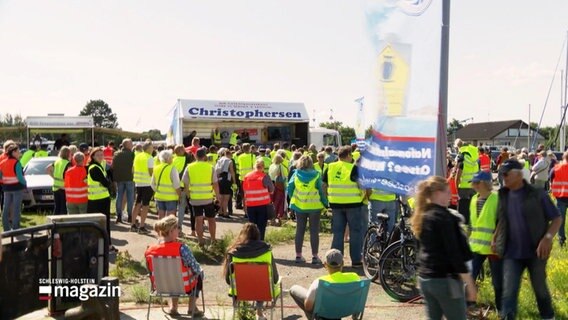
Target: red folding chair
column 253, row 282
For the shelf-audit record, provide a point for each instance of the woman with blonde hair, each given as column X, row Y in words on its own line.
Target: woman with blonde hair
column 248, row 247
column 442, row 252
column 167, row 229
column 307, row 201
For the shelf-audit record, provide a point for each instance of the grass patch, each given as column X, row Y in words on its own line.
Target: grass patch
column 285, row 233
column 127, row 269
column 557, row 280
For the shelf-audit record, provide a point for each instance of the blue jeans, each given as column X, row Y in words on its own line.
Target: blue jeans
column 443, row 297
column 351, row 217
column 513, row 271
column 12, row 204
column 496, row 267
column 562, row 206
column 128, row 188
column 388, row 207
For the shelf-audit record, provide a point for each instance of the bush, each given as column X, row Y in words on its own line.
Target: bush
column 126, row 268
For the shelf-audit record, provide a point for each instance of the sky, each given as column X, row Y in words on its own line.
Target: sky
column 141, row 56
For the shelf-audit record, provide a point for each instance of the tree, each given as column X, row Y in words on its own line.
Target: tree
column 347, row 133
column 155, row 134
column 102, row 114
column 454, row 126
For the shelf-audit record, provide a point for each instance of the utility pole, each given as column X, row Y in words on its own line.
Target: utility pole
column 529, row 131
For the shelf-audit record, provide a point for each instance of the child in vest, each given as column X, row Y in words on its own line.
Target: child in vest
column 249, row 248
column 167, row 229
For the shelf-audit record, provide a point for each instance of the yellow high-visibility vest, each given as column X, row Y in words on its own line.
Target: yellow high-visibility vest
column 165, row 190
column 341, row 189
column 141, row 174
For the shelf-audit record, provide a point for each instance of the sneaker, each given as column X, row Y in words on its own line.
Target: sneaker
column 118, row 220
column 316, row 260
column 133, row 228
column 300, row 260
column 143, row 230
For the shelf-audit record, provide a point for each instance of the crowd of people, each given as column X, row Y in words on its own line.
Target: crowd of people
column 512, row 228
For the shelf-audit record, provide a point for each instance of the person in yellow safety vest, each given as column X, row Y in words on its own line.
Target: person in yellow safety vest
column 57, row 171
column 383, row 202
column 180, row 162
column 212, row 156
column 245, row 164
column 355, row 152
column 234, row 139
column 165, row 183
column 467, row 166
column 143, row 170
column 238, row 191
column 483, row 215
column 42, row 152
column 216, row 137
column 202, row 187
column 275, row 149
column 248, row 248
column 285, row 147
column 333, row 263
column 320, row 166
column 285, row 160
column 266, row 159
column 307, row 201
column 345, row 199
column 98, row 185
column 28, row 155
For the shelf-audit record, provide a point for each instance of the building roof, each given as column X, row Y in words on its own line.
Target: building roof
column 487, row 130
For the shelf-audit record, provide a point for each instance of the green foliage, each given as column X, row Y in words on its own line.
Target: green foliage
column 126, row 268
column 102, row 114
column 246, row 311
column 347, row 133
column 155, row 134
column 283, row 234
column 453, row 126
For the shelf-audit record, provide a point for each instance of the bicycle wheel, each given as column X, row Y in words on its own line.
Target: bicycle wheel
column 398, row 271
column 372, row 249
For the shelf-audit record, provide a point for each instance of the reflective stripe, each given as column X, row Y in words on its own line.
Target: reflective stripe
column 77, row 196
column 559, row 183
column 486, row 230
column 306, row 200
column 345, row 186
column 9, row 180
column 199, row 184
column 199, row 191
column 478, row 241
column 258, row 198
column 255, row 191
column 77, row 189
column 342, row 194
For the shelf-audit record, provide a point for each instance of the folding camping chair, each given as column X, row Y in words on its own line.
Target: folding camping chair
column 253, row 282
column 168, row 282
column 338, row 300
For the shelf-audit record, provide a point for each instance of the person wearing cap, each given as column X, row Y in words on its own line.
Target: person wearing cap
column 528, row 221
column 201, row 187
column 539, row 175
column 84, row 148
column 483, row 215
column 333, row 264
column 559, row 188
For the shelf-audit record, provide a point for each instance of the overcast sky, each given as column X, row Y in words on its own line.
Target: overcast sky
column 141, row 56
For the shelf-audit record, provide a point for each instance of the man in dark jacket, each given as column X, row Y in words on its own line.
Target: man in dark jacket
column 527, row 223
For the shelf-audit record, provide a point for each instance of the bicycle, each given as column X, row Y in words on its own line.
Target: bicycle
column 375, row 241
column 397, row 265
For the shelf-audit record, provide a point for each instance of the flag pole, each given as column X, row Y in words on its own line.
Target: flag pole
column 442, row 138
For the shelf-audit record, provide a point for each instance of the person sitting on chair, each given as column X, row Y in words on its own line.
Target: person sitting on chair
column 334, row 265
column 249, row 248
column 167, row 229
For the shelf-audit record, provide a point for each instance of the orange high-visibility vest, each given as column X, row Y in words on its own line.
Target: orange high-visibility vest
column 255, row 192
column 169, row 249
column 76, row 187
column 560, row 182
column 454, row 190
column 8, row 168
column 108, row 153
column 484, row 163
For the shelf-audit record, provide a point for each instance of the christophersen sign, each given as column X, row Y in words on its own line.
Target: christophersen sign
column 237, row 110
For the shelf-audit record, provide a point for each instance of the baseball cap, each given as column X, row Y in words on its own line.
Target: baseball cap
column 334, row 258
column 482, row 176
column 510, row 164
column 83, row 147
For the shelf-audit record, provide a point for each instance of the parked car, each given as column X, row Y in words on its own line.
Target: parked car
column 39, row 183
